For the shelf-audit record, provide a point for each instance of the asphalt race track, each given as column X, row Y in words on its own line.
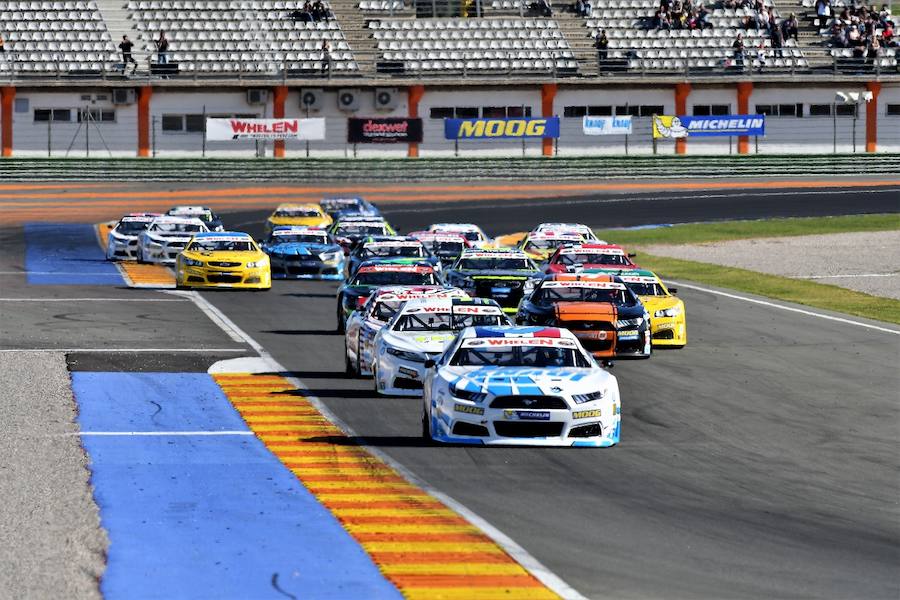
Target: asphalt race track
column 759, row 461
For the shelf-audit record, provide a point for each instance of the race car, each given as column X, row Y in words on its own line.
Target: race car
column 583, row 257
column 668, row 323
column 205, row 214
column 305, row 215
column 341, row 207
column 349, row 230
column 600, row 310
column 503, row 275
column 541, row 244
column 519, row 386
column 368, row 277
column 304, row 253
column 386, row 248
column 421, row 330
column 470, row 231
column 165, row 237
column 122, row 240
column 446, row 246
column 229, row 259
column 569, row 229
column 363, row 324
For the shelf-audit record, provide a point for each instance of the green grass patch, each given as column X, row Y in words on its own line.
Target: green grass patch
column 695, row 233
column 801, row 291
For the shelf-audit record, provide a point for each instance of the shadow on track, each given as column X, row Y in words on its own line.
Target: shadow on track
column 302, row 332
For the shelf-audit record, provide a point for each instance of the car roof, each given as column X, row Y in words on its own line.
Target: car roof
column 176, row 219
column 518, row 332
column 493, row 253
column 188, row 209
column 212, row 235
column 383, row 267
column 446, row 302
column 455, row 227
column 298, row 229
column 303, row 205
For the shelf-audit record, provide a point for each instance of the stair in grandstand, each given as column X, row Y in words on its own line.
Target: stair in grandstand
column 117, row 19
column 353, row 16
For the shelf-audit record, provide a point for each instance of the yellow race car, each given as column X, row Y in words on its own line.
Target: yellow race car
column 306, row 215
column 541, row 244
column 223, row 259
column 668, row 325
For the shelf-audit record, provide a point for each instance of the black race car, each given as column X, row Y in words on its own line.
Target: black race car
column 502, row 275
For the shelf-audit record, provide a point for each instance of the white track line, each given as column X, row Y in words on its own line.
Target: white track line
column 542, row 573
column 92, row 300
column 787, row 308
column 159, row 433
column 218, row 317
column 844, row 276
column 124, row 350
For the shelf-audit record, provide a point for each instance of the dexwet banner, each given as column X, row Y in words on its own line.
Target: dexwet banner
column 265, row 129
column 501, row 129
column 383, row 130
column 670, row 127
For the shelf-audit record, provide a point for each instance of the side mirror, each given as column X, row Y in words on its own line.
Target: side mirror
column 632, row 254
column 673, row 290
column 429, row 364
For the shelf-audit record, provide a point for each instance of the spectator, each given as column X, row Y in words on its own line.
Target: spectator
column 125, row 46
column 318, row 11
column 326, row 56
column 823, row 10
column 790, row 28
column 887, row 37
column 738, row 51
column 162, row 49
column 777, row 42
column 2, row 49
column 761, row 56
column 602, row 46
column 703, row 21
column 873, row 50
column 583, row 8
column 543, row 8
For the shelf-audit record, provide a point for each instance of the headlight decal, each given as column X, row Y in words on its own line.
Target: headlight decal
column 626, row 323
column 673, row 311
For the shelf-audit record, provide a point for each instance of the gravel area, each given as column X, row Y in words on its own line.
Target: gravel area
column 53, row 546
column 867, row 262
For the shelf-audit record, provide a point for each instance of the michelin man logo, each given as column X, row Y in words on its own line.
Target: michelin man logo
column 669, row 127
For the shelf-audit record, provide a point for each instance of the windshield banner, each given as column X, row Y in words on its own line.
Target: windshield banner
column 606, row 125
column 265, row 129
column 670, row 127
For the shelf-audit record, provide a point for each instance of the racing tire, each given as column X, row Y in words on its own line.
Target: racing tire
column 427, row 440
column 340, row 316
column 140, row 256
column 375, row 380
column 348, row 366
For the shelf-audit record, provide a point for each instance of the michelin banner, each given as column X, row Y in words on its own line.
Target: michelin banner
column 606, row 125
column 265, row 129
column 501, row 129
column 669, row 127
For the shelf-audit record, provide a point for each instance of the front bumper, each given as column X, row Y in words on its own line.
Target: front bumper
column 165, row 254
column 506, row 427
column 612, row 344
column 303, row 268
column 200, row 277
column 399, row 377
column 121, row 249
column 668, row 332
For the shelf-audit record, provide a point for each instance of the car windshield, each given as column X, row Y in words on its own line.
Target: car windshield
column 591, row 258
column 495, row 264
column 546, row 295
column 518, row 356
column 131, row 227
column 385, row 309
column 298, row 238
column 444, row 322
column 296, row 213
column 339, row 203
column 371, row 251
column 380, row 278
column 447, row 248
column 213, row 245
column 362, row 229
column 542, row 244
column 177, row 227
column 646, row 289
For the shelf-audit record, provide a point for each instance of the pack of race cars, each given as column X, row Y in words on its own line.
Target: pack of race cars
column 506, row 345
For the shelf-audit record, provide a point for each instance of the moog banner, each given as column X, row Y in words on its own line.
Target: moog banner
column 383, row 130
column 665, row 126
column 606, row 125
column 501, row 129
column 265, row 129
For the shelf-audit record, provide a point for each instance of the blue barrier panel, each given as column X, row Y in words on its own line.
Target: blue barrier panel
column 206, row 516
column 501, row 129
column 66, row 254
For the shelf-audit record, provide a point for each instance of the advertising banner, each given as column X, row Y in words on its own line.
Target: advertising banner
column 669, row 127
column 383, row 130
column 265, row 129
column 501, row 129
column 607, row 125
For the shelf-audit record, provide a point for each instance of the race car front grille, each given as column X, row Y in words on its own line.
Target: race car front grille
column 665, row 334
column 405, row 383
column 174, row 245
column 223, row 278
column 524, row 429
column 588, row 325
column 596, row 345
column 484, row 288
column 224, row 264
column 589, row 430
column 463, row 428
column 529, row 402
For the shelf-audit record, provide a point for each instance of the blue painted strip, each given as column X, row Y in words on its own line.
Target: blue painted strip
column 206, row 516
column 66, row 254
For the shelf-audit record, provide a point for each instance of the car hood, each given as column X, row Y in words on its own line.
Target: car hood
column 654, row 303
column 500, row 381
column 486, row 273
column 301, row 221
column 421, row 341
column 169, row 235
column 225, row 256
column 301, row 249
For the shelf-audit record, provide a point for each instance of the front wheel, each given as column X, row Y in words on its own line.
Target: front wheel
column 340, row 316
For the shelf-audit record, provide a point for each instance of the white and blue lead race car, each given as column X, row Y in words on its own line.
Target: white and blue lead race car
column 531, row 386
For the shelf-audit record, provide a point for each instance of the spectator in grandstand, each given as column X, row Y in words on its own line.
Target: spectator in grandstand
column 602, row 46
column 873, row 49
column 790, row 27
column 738, row 51
column 838, row 36
column 777, row 39
column 885, row 16
column 304, row 15
column 319, row 12
column 2, row 49
column 162, row 48
column 887, row 37
column 582, row 8
column 703, row 16
column 760, row 56
column 542, row 7
column 762, row 19
column 125, row 46
column 326, row 56
column 823, row 10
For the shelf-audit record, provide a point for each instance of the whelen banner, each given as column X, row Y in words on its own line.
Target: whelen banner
column 671, row 127
column 383, row 130
column 606, row 125
column 265, row 129
column 501, row 129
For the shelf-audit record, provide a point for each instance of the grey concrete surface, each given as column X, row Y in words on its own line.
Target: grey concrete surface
column 867, row 262
column 52, row 544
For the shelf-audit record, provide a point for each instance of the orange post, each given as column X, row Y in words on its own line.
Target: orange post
column 414, row 94
column 744, row 89
column 872, row 117
column 682, row 91
column 279, row 95
column 143, row 120
column 7, row 95
column 548, row 95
